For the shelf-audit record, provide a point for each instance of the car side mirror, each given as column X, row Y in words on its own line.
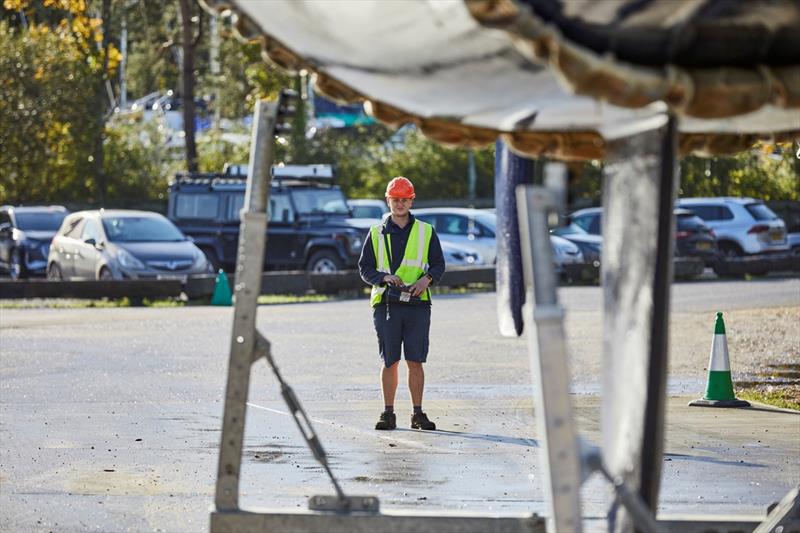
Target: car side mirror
column 5, row 227
column 97, row 245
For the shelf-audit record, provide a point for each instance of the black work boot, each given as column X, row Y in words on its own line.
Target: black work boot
column 420, row 421
column 386, row 421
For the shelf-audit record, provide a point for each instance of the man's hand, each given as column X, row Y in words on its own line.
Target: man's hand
column 391, row 279
column 420, row 286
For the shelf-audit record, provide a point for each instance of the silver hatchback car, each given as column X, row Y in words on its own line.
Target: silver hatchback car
column 122, row 244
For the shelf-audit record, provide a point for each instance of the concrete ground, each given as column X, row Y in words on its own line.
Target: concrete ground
column 110, row 418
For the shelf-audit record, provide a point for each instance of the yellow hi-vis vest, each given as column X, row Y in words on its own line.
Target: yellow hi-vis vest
column 415, row 258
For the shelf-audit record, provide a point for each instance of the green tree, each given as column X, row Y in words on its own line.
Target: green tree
column 46, row 94
column 769, row 172
column 84, row 29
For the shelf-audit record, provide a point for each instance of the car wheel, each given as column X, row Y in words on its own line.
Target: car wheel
column 105, row 275
column 727, row 251
column 324, row 262
column 16, row 268
column 54, row 272
column 730, row 250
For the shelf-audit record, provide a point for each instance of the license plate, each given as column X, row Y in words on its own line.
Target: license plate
column 776, row 235
column 703, row 245
column 181, row 278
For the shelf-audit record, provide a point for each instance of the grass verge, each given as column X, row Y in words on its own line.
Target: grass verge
column 786, row 397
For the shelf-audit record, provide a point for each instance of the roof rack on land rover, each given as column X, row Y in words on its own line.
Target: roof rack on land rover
column 318, row 171
column 237, row 175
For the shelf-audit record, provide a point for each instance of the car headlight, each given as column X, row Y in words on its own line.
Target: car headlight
column 199, row 258
column 127, row 260
column 356, row 243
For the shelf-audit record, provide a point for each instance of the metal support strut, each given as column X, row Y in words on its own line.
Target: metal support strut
column 248, row 345
column 561, row 459
column 566, row 461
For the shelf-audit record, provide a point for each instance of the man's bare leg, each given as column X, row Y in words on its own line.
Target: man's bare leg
column 389, row 383
column 416, row 381
column 416, row 384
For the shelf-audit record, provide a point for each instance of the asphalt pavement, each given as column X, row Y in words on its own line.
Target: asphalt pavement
column 110, row 418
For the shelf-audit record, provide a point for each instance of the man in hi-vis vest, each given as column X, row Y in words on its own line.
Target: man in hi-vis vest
column 401, row 258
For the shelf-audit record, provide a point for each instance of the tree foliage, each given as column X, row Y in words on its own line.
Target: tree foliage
column 45, row 96
column 59, row 58
column 769, row 172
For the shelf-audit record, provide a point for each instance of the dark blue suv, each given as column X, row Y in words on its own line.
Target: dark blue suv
column 309, row 223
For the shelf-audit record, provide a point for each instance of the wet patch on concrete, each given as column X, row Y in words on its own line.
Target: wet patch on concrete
column 271, row 453
column 264, row 456
column 406, row 478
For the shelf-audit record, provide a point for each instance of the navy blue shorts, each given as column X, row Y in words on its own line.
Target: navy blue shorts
column 407, row 325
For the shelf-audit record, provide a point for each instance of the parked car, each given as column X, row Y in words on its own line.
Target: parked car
column 25, row 235
column 588, row 220
column 309, row 225
column 457, row 255
column 743, row 226
column 568, row 257
column 591, row 245
column 366, row 208
column 475, row 229
column 793, row 239
column 693, row 238
column 110, row 244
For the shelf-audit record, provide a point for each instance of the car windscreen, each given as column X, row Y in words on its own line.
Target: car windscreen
column 319, row 201
column 488, row 219
column 569, row 229
column 42, row 221
column 140, row 229
column 761, row 211
column 197, row 206
column 367, row 211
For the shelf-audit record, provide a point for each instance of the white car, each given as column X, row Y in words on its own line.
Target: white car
column 457, row 255
column 743, row 226
column 368, row 208
column 475, row 229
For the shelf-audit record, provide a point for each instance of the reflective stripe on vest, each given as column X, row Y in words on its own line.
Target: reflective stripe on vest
column 415, row 259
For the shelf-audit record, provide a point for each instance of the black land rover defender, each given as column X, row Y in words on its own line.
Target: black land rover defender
column 309, row 223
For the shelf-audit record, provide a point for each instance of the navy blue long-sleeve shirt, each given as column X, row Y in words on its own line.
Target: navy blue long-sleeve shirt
column 368, row 265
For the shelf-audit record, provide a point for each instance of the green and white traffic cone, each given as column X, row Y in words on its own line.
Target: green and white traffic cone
column 222, row 290
column 719, row 389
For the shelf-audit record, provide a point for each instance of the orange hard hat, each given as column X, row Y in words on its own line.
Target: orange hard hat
column 400, row 187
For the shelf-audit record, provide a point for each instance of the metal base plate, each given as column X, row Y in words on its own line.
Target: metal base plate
column 349, row 504
column 702, row 402
column 241, row 521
